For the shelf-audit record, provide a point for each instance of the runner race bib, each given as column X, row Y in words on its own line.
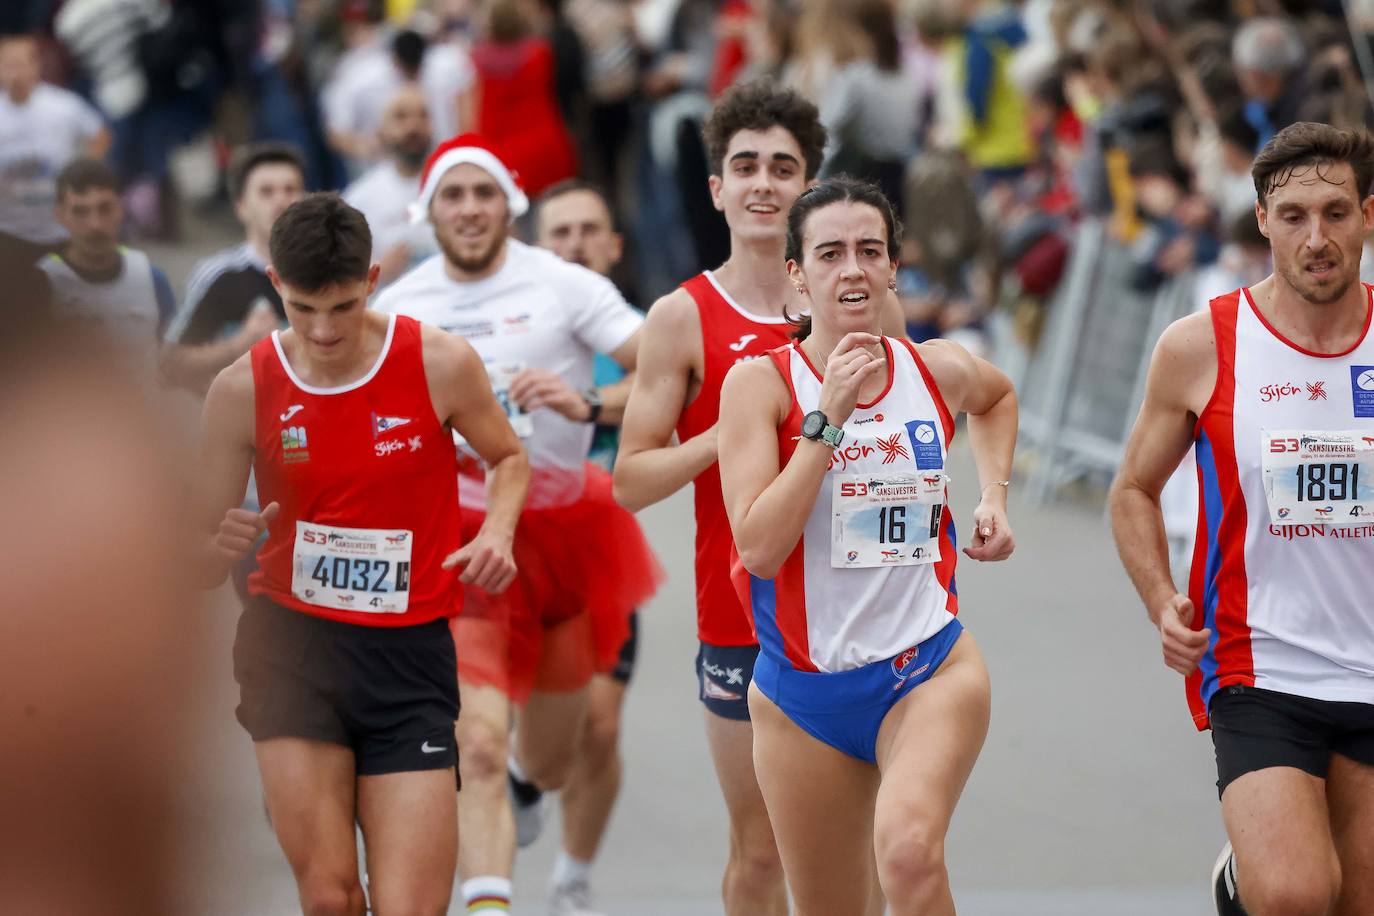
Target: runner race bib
column 1319, row 477
column 501, row 375
column 352, row 569
column 891, row 520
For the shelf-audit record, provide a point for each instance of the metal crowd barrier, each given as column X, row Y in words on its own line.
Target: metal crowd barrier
column 1084, row 384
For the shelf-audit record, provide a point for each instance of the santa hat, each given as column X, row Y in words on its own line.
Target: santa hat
column 474, row 150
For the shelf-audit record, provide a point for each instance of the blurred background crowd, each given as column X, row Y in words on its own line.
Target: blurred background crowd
column 996, row 126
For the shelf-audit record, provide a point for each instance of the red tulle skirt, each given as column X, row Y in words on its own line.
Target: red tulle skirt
column 583, row 568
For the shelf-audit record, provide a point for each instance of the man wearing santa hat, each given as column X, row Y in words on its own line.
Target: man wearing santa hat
column 584, row 565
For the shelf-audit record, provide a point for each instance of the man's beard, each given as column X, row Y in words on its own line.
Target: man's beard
column 411, row 157
column 475, row 263
column 1305, row 287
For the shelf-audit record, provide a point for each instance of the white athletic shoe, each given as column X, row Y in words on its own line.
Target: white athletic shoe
column 530, row 808
column 1224, row 894
column 573, row 899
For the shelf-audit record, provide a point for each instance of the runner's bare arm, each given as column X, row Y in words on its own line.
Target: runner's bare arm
column 1182, row 374
column 459, row 383
column 616, row 395
column 768, row 506
column 981, row 390
column 226, row 457
column 650, row 467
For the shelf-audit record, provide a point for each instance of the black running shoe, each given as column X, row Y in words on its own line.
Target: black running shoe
column 1225, row 895
column 527, row 803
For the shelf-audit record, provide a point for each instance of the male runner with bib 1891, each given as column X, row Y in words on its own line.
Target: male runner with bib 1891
column 869, row 702
column 1275, row 387
column 765, row 145
column 344, row 658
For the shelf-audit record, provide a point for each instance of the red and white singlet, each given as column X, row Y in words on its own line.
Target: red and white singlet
column 1285, row 539
column 729, row 335
column 873, row 572
column 367, row 481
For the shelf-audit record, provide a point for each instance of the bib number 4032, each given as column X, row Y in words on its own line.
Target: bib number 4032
column 360, row 574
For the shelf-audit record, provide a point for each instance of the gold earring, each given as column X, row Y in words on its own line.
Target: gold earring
column 892, row 284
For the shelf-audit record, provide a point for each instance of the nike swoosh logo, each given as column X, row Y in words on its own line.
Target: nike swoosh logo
column 743, row 342
column 292, row 411
column 425, row 748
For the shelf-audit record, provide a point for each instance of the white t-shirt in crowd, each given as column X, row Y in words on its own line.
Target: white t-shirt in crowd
column 41, row 136
column 383, row 194
column 366, row 77
column 537, row 312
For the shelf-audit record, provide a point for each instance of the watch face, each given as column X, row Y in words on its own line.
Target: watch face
column 812, row 424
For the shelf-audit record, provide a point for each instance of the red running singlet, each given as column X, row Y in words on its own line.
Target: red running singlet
column 367, row 479
column 729, row 335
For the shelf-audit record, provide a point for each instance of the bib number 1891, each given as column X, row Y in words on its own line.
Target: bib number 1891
column 1335, row 482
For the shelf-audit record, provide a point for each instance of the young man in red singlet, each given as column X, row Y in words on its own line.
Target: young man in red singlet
column 344, row 658
column 765, row 145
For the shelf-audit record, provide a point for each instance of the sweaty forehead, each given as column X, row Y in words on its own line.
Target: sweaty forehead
column 844, row 221
column 1316, row 185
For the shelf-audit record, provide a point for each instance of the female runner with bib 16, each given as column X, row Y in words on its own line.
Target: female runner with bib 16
column 870, row 703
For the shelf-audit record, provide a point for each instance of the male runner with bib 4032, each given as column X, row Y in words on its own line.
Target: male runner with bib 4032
column 765, row 145
column 344, row 657
column 869, row 702
column 1274, row 385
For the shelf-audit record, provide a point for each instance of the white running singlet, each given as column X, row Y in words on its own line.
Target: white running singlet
column 873, row 573
column 1285, row 546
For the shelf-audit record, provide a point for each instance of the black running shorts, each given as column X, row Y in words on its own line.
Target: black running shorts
column 724, row 674
column 1254, row 729
column 624, row 667
column 388, row 693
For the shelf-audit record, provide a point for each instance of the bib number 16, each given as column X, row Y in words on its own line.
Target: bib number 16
column 892, row 525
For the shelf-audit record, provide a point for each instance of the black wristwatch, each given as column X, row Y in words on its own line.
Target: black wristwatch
column 593, row 399
column 816, row 426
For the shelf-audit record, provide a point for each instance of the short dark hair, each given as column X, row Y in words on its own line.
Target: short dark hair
column 839, row 189
column 83, row 175
column 759, row 105
column 320, row 241
column 572, row 186
column 248, row 157
column 1308, row 143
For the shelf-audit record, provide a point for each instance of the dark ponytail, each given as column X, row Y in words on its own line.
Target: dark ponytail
column 839, row 189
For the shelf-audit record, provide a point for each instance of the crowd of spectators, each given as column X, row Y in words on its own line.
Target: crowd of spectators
column 994, row 126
